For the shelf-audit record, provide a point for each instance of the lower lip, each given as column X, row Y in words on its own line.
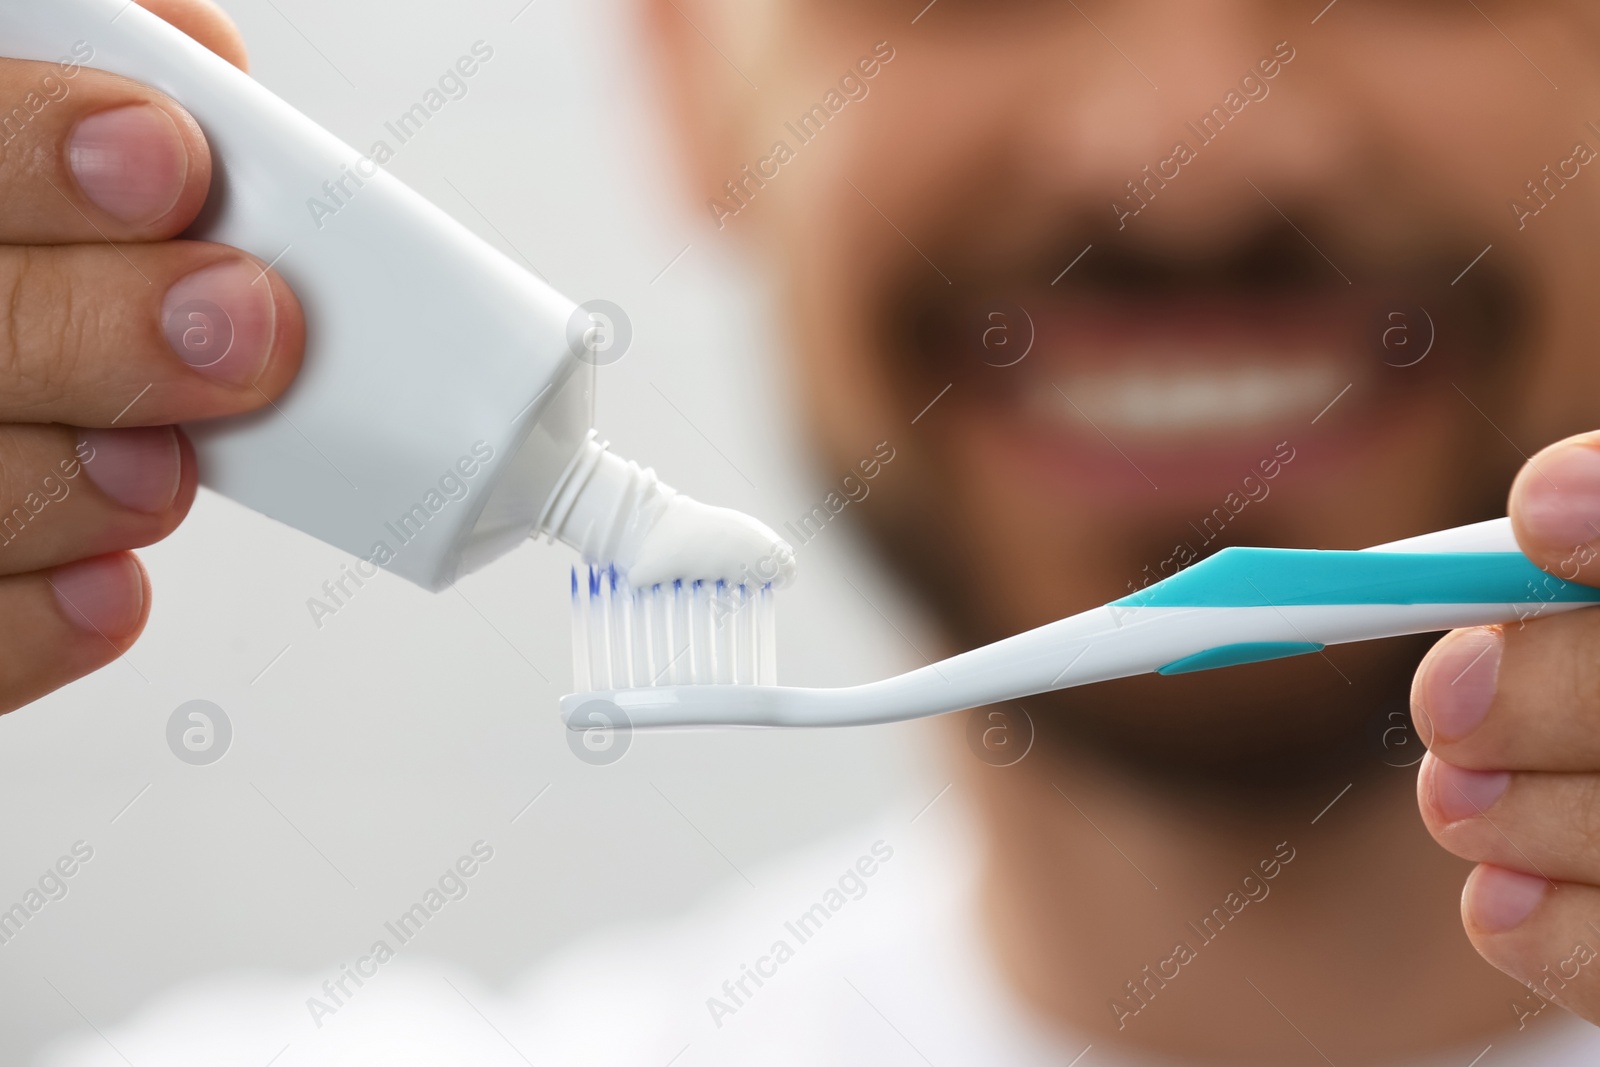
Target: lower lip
column 1066, row 462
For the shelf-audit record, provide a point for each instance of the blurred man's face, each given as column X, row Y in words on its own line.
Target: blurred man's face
column 1248, row 250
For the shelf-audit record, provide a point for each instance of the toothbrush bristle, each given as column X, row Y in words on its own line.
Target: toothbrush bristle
column 682, row 634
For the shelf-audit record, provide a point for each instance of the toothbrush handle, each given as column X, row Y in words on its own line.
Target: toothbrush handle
column 1280, row 602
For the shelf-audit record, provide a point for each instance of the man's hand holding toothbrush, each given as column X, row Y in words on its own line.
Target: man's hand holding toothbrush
column 111, row 332
column 1511, row 716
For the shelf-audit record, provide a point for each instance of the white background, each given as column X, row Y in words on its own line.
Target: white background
column 377, row 749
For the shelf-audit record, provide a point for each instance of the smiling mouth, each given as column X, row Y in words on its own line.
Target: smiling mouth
column 1155, row 401
column 1142, row 364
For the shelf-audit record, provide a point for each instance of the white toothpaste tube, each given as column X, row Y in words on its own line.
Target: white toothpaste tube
column 441, row 417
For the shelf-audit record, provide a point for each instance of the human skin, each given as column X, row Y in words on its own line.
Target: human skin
column 98, row 175
column 1191, row 340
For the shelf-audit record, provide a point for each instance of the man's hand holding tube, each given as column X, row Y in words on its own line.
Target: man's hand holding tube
column 1511, row 717
column 111, row 332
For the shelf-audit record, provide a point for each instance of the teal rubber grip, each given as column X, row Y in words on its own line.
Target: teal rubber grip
column 1242, row 652
column 1280, row 577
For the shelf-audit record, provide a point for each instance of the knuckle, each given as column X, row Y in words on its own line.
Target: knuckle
column 42, row 329
column 11, row 474
column 34, row 116
column 1581, row 678
column 1588, row 821
column 1583, row 816
column 23, row 157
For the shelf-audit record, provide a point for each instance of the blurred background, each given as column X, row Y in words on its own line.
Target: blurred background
column 369, row 753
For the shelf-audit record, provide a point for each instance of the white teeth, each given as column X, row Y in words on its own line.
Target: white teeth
column 1181, row 400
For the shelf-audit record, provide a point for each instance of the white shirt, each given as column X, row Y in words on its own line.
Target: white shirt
column 866, row 949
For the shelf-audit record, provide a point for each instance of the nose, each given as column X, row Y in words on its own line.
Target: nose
column 1202, row 114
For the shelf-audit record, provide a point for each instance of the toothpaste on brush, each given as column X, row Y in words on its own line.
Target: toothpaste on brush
column 616, row 513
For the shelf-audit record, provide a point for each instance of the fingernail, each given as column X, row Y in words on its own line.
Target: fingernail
column 1558, row 504
column 221, row 321
column 1498, row 900
column 1461, row 794
column 1458, row 682
column 131, row 162
column 103, row 595
column 138, row 468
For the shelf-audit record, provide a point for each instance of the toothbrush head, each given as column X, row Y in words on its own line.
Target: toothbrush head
column 687, row 653
column 694, row 633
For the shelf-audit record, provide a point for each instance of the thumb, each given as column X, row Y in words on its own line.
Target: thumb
column 1555, row 509
column 206, row 23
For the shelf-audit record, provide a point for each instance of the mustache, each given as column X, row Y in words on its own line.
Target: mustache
column 1279, row 255
column 1481, row 301
column 1309, row 240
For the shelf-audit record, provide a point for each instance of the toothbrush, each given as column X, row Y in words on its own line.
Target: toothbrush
column 1242, row 605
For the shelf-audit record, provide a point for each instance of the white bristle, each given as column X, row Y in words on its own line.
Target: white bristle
column 766, row 638
column 580, row 635
column 682, row 636
column 744, row 635
column 596, row 645
column 722, row 630
column 700, row 633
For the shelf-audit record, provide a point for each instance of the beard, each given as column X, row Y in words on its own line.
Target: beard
column 1291, row 731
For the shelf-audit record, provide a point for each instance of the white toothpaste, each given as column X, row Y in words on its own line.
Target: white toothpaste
column 615, row 512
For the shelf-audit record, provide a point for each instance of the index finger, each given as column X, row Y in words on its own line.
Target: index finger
column 88, row 156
